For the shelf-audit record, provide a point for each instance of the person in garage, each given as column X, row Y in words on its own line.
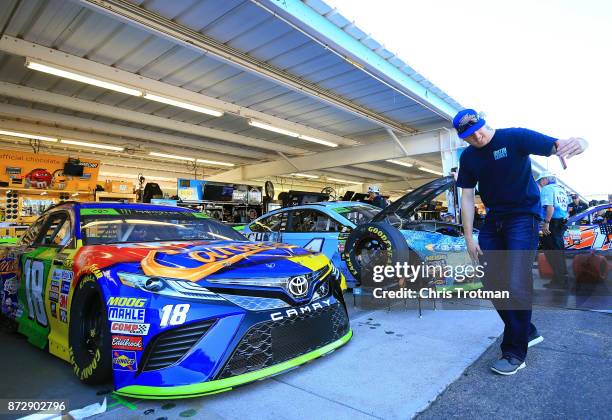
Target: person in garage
column 554, row 215
column 375, row 198
column 576, row 206
column 498, row 160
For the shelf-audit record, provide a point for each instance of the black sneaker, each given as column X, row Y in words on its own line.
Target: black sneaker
column 507, row 365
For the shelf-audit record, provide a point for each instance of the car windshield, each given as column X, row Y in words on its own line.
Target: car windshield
column 124, row 226
column 358, row 214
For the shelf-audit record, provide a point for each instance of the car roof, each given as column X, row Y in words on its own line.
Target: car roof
column 113, row 205
column 598, row 207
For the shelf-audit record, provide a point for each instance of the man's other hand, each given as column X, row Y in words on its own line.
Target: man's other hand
column 571, row 147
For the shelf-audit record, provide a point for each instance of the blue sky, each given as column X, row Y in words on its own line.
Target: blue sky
column 544, row 65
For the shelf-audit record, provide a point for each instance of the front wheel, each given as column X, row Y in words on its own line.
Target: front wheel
column 374, row 244
column 88, row 334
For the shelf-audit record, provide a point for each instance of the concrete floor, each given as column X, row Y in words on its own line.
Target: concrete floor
column 396, row 365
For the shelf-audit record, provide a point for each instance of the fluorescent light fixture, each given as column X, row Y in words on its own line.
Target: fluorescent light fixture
column 399, row 162
column 214, row 162
column 343, row 181
column 305, row 175
column 185, row 105
column 167, row 156
column 431, row 171
column 69, row 74
column 272, row 128
column 94, row 145
column 27, row 136
column 315, row 140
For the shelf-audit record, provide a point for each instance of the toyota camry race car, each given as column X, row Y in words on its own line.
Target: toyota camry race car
column 397, row 234
column 166, row 301
column 320, row 227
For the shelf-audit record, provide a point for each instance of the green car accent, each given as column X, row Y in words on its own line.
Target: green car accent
column 94, row 212
column 201, row 215
column 222, row 385
column 239, row 228
column 36, row 265
column 8, row 240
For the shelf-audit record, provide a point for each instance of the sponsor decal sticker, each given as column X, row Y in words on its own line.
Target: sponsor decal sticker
column 66, row 286
column 124, row 360
column 53, row 306
column 63, row 316
column 125, row 301
column 127, row 342
column 129, row 328
column 63, row 302
column 53, row 296
column 117, row 313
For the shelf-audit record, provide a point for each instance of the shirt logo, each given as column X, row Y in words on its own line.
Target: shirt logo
column 500, row 154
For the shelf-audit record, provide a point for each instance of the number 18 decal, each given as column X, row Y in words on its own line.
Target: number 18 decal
column 34, row 287
column 174, row 314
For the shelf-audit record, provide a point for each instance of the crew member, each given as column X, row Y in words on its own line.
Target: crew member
column 554, row 214
column 375, row 198
column 576, row 206
column 498, row 160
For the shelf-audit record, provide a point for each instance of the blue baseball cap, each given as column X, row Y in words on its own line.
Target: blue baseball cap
column 467, row 121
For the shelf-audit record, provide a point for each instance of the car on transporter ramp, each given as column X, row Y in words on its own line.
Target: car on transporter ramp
column 166, row 301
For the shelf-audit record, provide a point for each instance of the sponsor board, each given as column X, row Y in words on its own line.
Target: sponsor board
column 124, row 360
column 129, row 328
column 126, row 302
column 126, row 342
column 118, row 313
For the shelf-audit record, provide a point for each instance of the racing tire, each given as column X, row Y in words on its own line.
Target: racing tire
column 373, row 244
column 88, row 334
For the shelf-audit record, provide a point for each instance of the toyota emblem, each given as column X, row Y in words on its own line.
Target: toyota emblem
column 298, row 286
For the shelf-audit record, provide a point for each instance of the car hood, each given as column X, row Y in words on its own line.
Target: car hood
column 195, row 261
column 407, row 204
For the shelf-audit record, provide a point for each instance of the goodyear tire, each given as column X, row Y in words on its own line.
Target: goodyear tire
column 373, row 244
column 88, row 334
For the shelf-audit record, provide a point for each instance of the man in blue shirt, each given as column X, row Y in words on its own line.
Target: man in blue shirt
column 554, row 213
column 498, row 160
column 375, row 198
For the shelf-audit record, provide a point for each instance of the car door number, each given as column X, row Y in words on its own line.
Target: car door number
column 174, row 314
column 34, row 288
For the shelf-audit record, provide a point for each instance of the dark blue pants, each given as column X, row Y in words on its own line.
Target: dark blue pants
column 509, row 246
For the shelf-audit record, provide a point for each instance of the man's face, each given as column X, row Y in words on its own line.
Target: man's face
column 543, row 182
column 480, row 138
column 576, row 200
column 371, row 194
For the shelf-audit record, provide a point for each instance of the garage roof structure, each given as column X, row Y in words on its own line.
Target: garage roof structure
column 228, row 90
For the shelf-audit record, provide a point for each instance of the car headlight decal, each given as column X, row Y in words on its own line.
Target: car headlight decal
column 167, row 287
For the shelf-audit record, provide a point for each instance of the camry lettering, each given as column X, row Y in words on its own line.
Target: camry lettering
column 277, row 316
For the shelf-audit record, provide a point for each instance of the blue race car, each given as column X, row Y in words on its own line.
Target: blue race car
column 166, row 301
column 406, row 232
column 320, row 227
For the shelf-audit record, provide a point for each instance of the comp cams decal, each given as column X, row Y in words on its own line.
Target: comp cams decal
column 129, row 328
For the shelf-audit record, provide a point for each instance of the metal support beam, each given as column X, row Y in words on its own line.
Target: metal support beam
column 396, row 140
column 81, row 105
column 152, row 22
column 127, row 135
column 415, row 145
column 27, row 49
